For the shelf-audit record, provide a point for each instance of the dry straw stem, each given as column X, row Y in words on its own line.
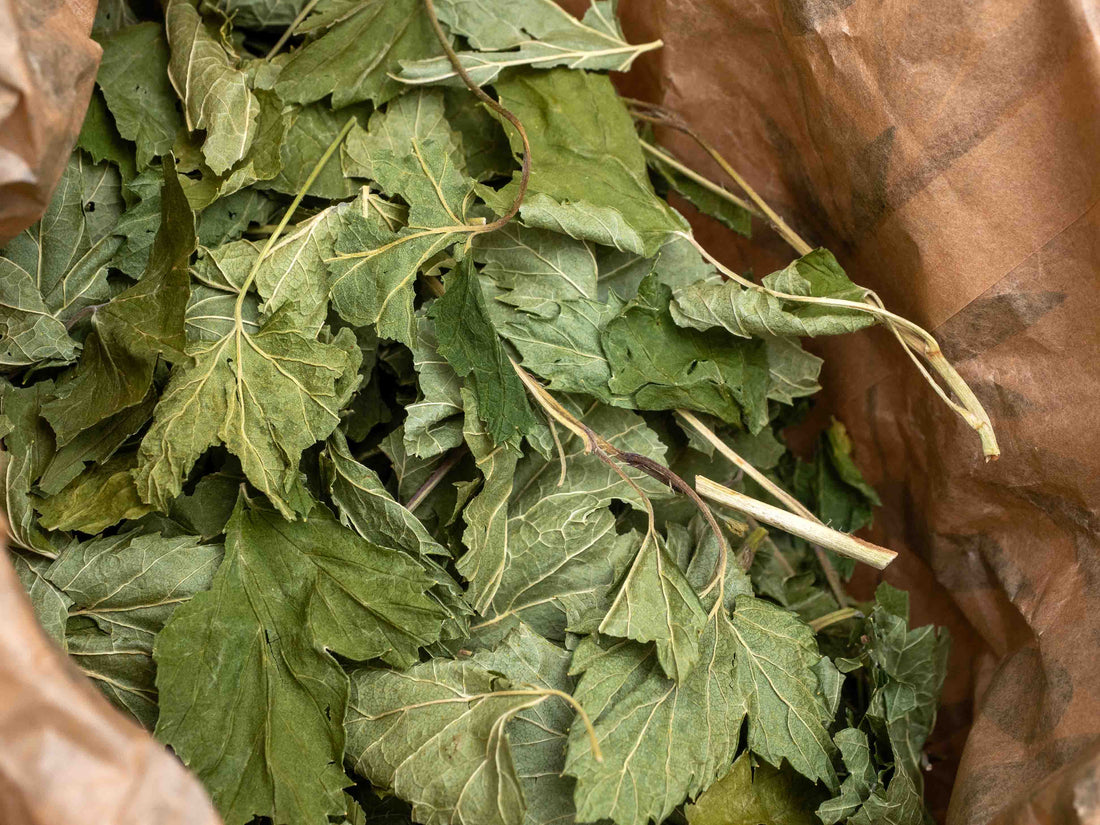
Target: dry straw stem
column 811, row 531
column 917, row 342
column 781, row 495
column 842, row 615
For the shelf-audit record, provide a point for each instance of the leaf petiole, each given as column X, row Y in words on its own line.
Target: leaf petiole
column 274, row 236
column 915, row 340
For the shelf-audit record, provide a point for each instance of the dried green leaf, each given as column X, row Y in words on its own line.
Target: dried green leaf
column 121, row 666
column 910, row 666
column 215, row 93
column 28, row 449
column 251, row 655
column 58, row 267
column 292, row 277
column 129, row 333
column 656, row 603
column 309, row 130
column 433, row 424
column 831, row 484
column 472, row 740
column 131, row 583
column 51, row 605
column 100, row 138
column 552, row 554
column 98, row 498
column 575, row 121
column 227, row 218
column 261, row 14
column 364, row 504
column 206, row 509
column 787, row 710
column 133, row 75
column 139, row 224
column 792, row 371
column 412, row 152
column 94, row 445
column 901, row 804
column 486, row 535
column 527, row 33
column 266, row 396
column 861, row 780
column 662, row 741
column 663, row 366
column 755, row 796
column 468, row 340
column 352, row 60
column 485, row 148
column 409, row 470
column 748, row 312
column 542, row 291
column 210, row 314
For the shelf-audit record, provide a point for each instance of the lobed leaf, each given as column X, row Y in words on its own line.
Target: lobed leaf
column 532, row 33
column 249, row 697
column 574, row 121
column 215, row 93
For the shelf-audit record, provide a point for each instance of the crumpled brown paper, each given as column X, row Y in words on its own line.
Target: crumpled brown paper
column 947, row 152
column 47, row 68
column 66, row 755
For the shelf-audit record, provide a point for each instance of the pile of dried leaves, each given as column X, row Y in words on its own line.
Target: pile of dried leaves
column 357, row 463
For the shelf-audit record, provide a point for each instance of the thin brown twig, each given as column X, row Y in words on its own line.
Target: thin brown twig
column 480, row 94
column 448, row 464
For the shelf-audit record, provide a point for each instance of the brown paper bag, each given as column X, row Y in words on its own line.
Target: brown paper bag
column 47, row 68
column 66, row 755
column 948, row 152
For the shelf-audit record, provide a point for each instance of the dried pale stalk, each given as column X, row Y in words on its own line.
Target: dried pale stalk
column 811, row 531
column 842, row 615
column 788, row 501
